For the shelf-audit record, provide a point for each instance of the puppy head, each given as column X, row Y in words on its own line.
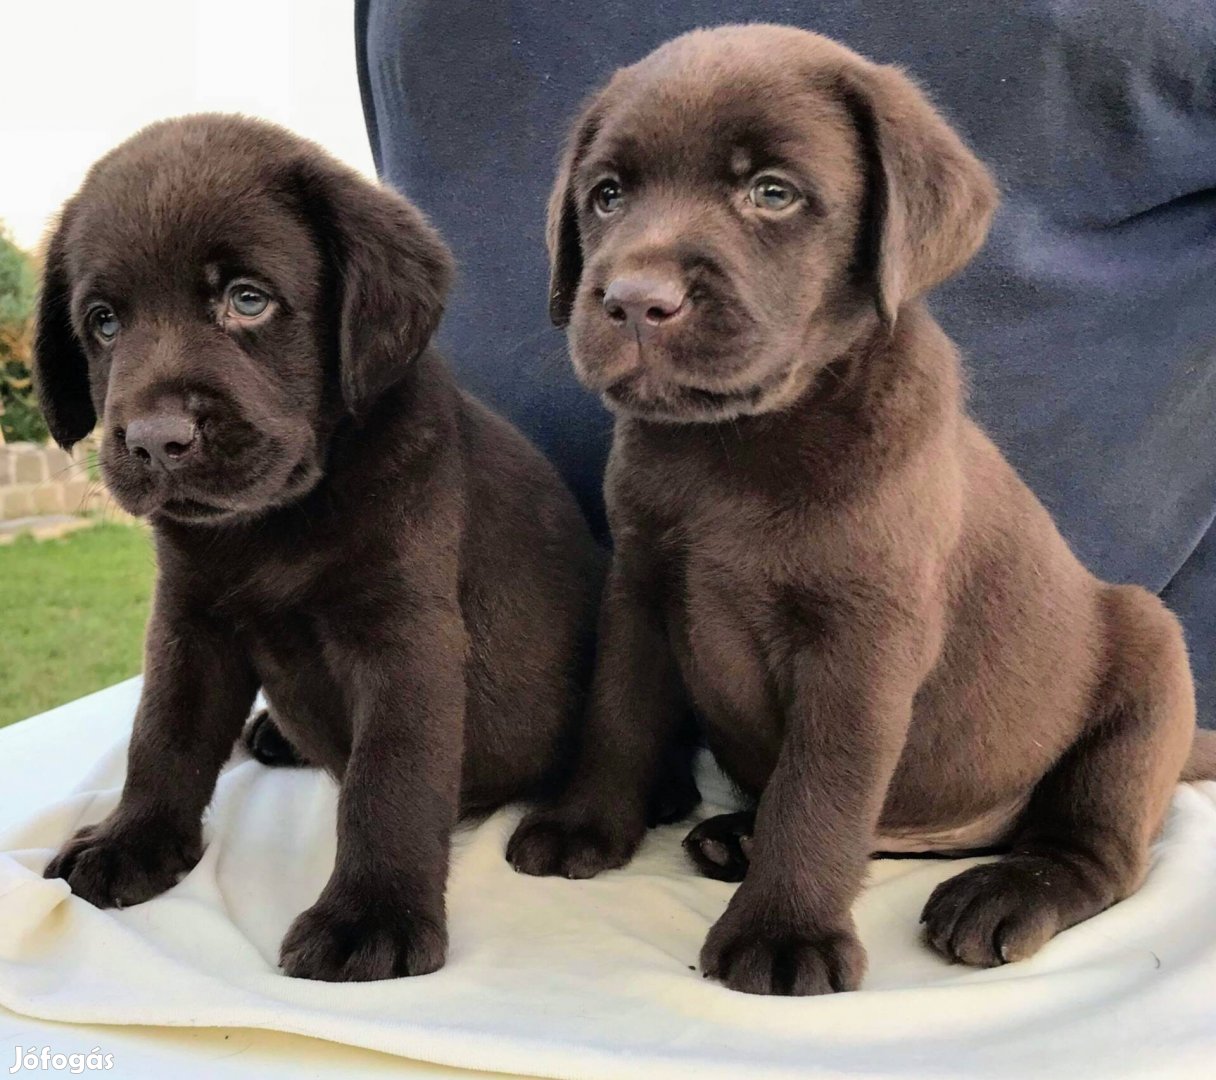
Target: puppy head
column 734, row 210
column 220, row 294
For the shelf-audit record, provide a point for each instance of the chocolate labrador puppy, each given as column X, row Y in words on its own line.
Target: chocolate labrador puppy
column 404, row 576
column 888, row 642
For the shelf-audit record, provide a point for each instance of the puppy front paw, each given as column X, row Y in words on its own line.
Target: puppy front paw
column 553, row 843
column 117, row 865
column 778, row 956
column 353, row 939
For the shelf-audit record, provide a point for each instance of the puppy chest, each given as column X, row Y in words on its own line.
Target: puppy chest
column 732, row 653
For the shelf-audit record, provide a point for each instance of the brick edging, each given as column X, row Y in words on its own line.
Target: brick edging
column 39, row 480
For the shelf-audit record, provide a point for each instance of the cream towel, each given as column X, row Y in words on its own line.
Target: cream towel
column 586, row 979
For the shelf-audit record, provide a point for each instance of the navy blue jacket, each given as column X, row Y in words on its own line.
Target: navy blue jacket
column 1088, row 322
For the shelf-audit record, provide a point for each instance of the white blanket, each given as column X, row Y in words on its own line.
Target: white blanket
column 589, row 979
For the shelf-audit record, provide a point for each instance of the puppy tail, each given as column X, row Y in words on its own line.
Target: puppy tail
column 1201, row 765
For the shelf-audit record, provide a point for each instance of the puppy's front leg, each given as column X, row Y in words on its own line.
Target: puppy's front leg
column 789, row 929
column 198, row 689
column 381, row 915
column 636, row 706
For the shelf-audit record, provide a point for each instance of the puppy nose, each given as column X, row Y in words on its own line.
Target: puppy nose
column 163, row 439
column 641, row 304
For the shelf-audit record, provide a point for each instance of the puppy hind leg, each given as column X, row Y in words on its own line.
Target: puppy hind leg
column 267, row 743
column 1083, row 842
column 675, row 793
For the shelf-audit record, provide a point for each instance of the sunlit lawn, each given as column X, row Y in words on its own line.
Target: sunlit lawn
column 72, row 615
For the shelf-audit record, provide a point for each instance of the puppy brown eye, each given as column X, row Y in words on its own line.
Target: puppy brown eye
column 607, row 197
column 247, row 302
column 104, row 323
column 772, row 193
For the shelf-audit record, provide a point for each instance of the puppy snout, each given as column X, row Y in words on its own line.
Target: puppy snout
column 641, row 303
column 166, row 440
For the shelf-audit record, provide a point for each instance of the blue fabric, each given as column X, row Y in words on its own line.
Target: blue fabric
column 1088, row 321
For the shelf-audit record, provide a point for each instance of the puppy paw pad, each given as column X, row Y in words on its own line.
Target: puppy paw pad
column 720, row 847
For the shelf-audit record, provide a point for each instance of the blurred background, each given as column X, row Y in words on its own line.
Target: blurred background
column 75, row 575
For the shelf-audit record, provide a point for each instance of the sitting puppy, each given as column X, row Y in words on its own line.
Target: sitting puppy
column 888, row 642
column 399, row 570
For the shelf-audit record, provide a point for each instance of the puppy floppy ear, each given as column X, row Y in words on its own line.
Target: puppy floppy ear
column 561, row 229
column 61, row 369
column 391, row 272
column 929, row 199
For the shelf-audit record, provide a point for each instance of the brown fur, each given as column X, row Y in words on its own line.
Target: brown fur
column 882, row 631
column 399, row 570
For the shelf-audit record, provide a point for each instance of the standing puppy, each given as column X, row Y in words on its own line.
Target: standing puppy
column 399, row 570
column 888, row 642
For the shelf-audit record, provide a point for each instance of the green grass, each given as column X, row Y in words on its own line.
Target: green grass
column 72, row 614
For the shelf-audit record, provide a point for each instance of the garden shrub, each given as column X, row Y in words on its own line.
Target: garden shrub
column 20, row 419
